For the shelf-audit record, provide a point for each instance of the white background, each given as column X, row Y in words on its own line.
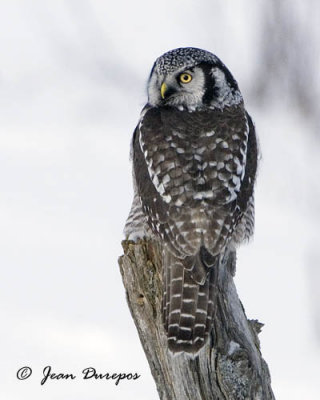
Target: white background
column 72, row 84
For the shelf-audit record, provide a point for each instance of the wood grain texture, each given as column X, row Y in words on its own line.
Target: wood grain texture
column 229, row 366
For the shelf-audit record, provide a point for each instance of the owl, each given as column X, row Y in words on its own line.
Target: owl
column 194, row 154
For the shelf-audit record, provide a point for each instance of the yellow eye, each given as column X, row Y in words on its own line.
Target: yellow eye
column 185, row 78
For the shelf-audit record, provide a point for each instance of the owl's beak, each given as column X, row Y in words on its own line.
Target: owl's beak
column 163, row 90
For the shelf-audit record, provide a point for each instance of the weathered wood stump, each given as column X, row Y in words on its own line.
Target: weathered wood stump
column 228, row 367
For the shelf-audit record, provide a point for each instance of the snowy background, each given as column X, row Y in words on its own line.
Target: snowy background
column 72, row 84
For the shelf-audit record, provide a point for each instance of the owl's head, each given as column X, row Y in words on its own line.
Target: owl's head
column 192, row 79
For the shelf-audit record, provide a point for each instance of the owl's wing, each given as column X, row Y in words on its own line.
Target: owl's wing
column 158, row 182
column 245, row 201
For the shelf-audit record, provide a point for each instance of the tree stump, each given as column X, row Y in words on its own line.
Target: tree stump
column 228, row 367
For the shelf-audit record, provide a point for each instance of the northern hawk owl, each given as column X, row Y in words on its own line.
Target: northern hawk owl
column 194, row 155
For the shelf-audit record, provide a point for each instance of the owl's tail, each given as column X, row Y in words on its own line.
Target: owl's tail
column 188, row 301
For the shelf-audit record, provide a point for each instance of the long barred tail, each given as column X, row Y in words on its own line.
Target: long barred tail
column 187, row 305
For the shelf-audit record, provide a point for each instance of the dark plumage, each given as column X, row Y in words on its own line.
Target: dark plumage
column 194, row 165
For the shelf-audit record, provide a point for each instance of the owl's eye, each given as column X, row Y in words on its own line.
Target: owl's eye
column 185, row 77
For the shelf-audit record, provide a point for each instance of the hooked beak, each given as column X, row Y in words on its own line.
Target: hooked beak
column 163, row 90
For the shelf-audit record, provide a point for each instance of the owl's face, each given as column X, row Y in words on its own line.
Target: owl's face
column 192, row 79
